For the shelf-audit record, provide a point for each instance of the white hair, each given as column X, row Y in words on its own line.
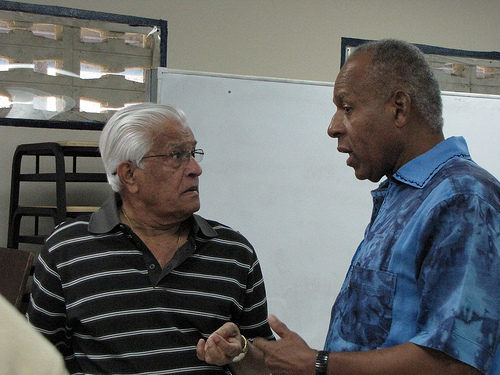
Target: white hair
column 129, row 135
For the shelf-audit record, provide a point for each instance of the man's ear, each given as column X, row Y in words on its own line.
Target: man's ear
column 401, row 104
column 125, row 172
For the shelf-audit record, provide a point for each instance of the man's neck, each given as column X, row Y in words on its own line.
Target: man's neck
column 147, row 224
column 419, row 140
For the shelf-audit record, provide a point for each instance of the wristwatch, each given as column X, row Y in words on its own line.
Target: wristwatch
column 321, row 363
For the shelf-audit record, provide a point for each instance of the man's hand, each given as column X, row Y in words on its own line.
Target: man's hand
column 290, row 355
column 221, row 346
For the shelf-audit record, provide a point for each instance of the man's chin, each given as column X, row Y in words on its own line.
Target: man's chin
column 195, row 207
column 363, row 176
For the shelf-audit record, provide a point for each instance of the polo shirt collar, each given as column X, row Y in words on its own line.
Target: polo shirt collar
column 201, row 224
column 107, row 218
column 419, row 171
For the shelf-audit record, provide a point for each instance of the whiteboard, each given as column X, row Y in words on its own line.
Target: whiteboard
column 271, row 172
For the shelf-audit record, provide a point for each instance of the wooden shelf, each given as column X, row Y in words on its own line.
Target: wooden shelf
column 60, row 177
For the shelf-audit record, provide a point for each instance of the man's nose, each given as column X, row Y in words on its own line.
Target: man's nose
column 334, row 129
column 193, row 168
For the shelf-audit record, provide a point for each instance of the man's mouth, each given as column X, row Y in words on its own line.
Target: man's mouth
column 343, row 150
column 192, row 189
column 346, row 150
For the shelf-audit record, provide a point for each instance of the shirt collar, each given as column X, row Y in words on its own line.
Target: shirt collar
column 419, row 171
column 107, row 218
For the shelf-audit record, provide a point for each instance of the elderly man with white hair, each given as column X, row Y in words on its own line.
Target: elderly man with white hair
column 138, row 285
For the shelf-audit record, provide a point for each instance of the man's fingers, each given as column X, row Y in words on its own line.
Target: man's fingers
column 220, row 343
column 278, row 326
column 228, row 330
column 200, row 350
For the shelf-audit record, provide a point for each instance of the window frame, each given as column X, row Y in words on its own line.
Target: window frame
column 59, row 11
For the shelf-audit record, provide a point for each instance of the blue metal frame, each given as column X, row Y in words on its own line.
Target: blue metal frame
column 52, row 10
column 493, row 55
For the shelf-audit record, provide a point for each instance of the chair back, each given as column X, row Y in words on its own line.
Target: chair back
column 15, row 268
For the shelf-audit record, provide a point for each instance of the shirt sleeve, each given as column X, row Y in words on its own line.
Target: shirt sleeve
column 459, row 281
column 253, row 318
column 47, row 308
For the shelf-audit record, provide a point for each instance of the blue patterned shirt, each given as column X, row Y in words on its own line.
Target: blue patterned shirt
column 428, row 268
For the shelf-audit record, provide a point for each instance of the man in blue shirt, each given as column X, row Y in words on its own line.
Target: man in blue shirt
column 422, row 294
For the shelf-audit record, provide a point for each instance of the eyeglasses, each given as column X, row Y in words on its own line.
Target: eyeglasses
column 180, row 157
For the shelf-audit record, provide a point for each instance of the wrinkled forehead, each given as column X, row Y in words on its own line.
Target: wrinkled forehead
column 173, row 134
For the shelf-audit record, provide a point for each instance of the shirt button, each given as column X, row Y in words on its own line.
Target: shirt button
column 152, row 266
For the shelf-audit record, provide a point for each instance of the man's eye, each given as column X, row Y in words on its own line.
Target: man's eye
column 347, row 109
column 176, row 155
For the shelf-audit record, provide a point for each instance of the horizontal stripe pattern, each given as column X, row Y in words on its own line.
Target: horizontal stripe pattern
column 96, row 297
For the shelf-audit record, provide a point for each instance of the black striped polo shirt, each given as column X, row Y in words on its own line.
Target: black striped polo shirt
column 101, row 297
